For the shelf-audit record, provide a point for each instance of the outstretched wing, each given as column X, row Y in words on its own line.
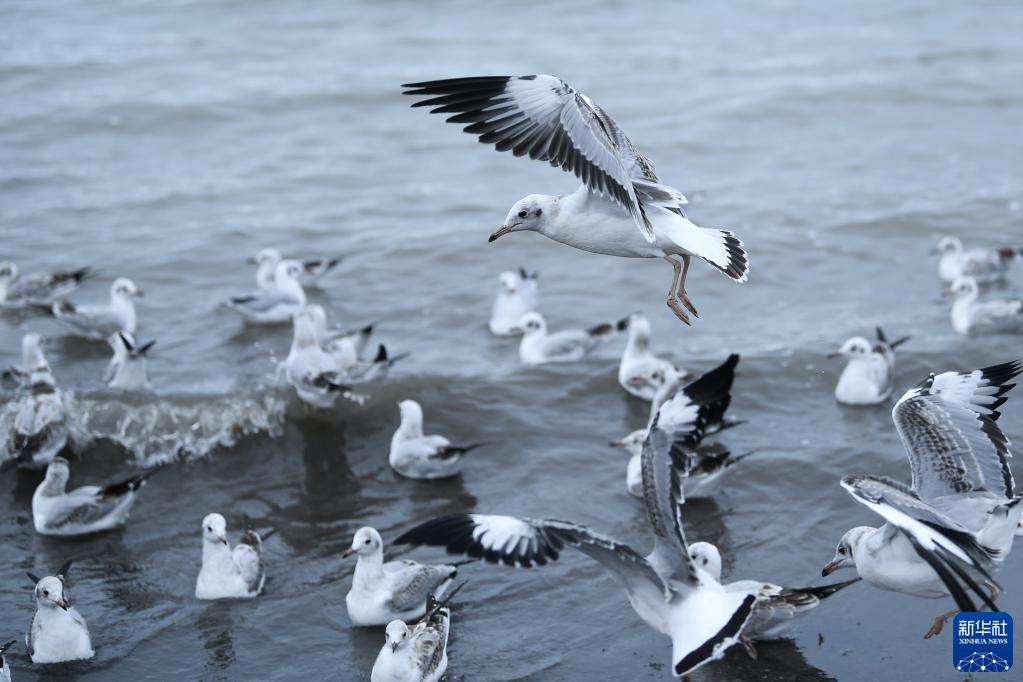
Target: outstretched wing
column 949, row 548
column 542, row 116
column 948, row 425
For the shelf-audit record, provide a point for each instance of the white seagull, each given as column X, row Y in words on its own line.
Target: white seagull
column 310, row 369
column 127, row 369
column 347, row 348
column 414, row 455
column 641, row 373
column 40, row 427
column 58, row 632
column 382, row 592
column 5, row 670
column 867, row 377
column 276, row 304
column 958, row 518
column 227, row 573
column 517, row 294
column 970, row 315
column 85, row 510
column 419, row 654
column 776, row 606
column 312, row 269
column 100, row 321
column 539, row 347
column 703, row 403
column 666, row 588
column 36, row 289
column 984, row 264
column 620, row 209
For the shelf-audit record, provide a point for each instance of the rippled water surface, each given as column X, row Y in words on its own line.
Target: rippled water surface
column 167, row 141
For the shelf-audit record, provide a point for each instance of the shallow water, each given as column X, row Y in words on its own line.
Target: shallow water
column 168, row 141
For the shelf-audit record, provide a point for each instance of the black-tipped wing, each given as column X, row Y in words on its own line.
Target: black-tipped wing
column 542, row 116
column 948, row 425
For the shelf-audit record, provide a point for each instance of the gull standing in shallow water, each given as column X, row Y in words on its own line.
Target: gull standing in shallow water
column 984, row 264
column 961, row 512
column 40, row 428
column 85, row 510
column 538, row 347
column 227, row 573
column 414, row 455
column 641, row 373
column 620, row 209
column 667, row 589
column 276, row 304
column 517, row 295
column 382, row 592
column 57, row 633
column 970, row 315
column 419, row 654
column 100, row 321
column 127, row 370
column 867, row 377
column 37, row 289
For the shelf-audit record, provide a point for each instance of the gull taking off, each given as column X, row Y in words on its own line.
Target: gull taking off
column 776, row 606
column 85, row 510
column 276, row 304
column 517, row 294
column 970, row 315
column 867, row 377
column 395, row 590
column 40, row 428
column 539, row 347
column 312, row 270
column 667, row 589
column 414, row 455
column 620, row 209
column 958, row 517
column 641, row 373
column 127, row 369
column 58, row 632
column 100, row 321
column 227, row 573
column 984, row 264
column 419, row 654
column 37, row 289
column 309, row 368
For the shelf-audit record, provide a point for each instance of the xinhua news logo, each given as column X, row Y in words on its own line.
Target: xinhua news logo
column 982, row 642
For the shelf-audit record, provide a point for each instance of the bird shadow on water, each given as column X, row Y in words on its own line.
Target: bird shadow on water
column 782, row 657
column 216, row 624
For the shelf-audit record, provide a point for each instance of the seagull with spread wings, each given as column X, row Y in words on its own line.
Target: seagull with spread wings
column 621, row 208
column 957, row 519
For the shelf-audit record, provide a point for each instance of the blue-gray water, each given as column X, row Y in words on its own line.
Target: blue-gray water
column 166, row 141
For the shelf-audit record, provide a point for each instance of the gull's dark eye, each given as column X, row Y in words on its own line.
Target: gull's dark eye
column 367, row 541
column 523, row 214
column 841, row 550
column 209, row 528
column 46, row 593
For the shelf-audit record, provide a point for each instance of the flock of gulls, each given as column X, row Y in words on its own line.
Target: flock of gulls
column 943, row 534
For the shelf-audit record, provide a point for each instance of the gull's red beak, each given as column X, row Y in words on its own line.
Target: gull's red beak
column 348, row 552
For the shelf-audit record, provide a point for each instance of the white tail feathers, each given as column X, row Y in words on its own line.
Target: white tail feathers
column 720, row 248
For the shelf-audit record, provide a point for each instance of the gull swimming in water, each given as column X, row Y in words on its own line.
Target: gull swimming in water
column 311, row 270
column 5, row 670
column 539, row 347
column 776, row 606
column 419, row 654
column 620, row 209
column 959, row 516
column 517, row 294
column 85, row 510
column 58, row 632
column 229, row 573
column 100, row 321
column 641, row 373
column 36, row 289
column 985, row 264
column 347, row 348
column 414, row 455
column 127, row 370
column 276, row 304
column 867, row 377
column 310, row 369
column 703, row 404
column 667, row 589
column 40, row 427
column 395, row 590
column 970, row 315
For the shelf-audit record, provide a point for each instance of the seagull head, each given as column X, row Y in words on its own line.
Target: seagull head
column 528, row 214
column 509, row 282
column 50, row 593
column 846, row 551
column 963, row 288
column 532, row 323
column 633, row 443
column 267, row 257
column 287, row 270
column 57, row 474
column 857, row 346
column 32, row 358
column 366, row 541
column 639, row 327
column 124, row 288
column 214, row 529
column 707, row 558
column 8, row 272
column 948, row 245
column 411, row 413
column 396, row 634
